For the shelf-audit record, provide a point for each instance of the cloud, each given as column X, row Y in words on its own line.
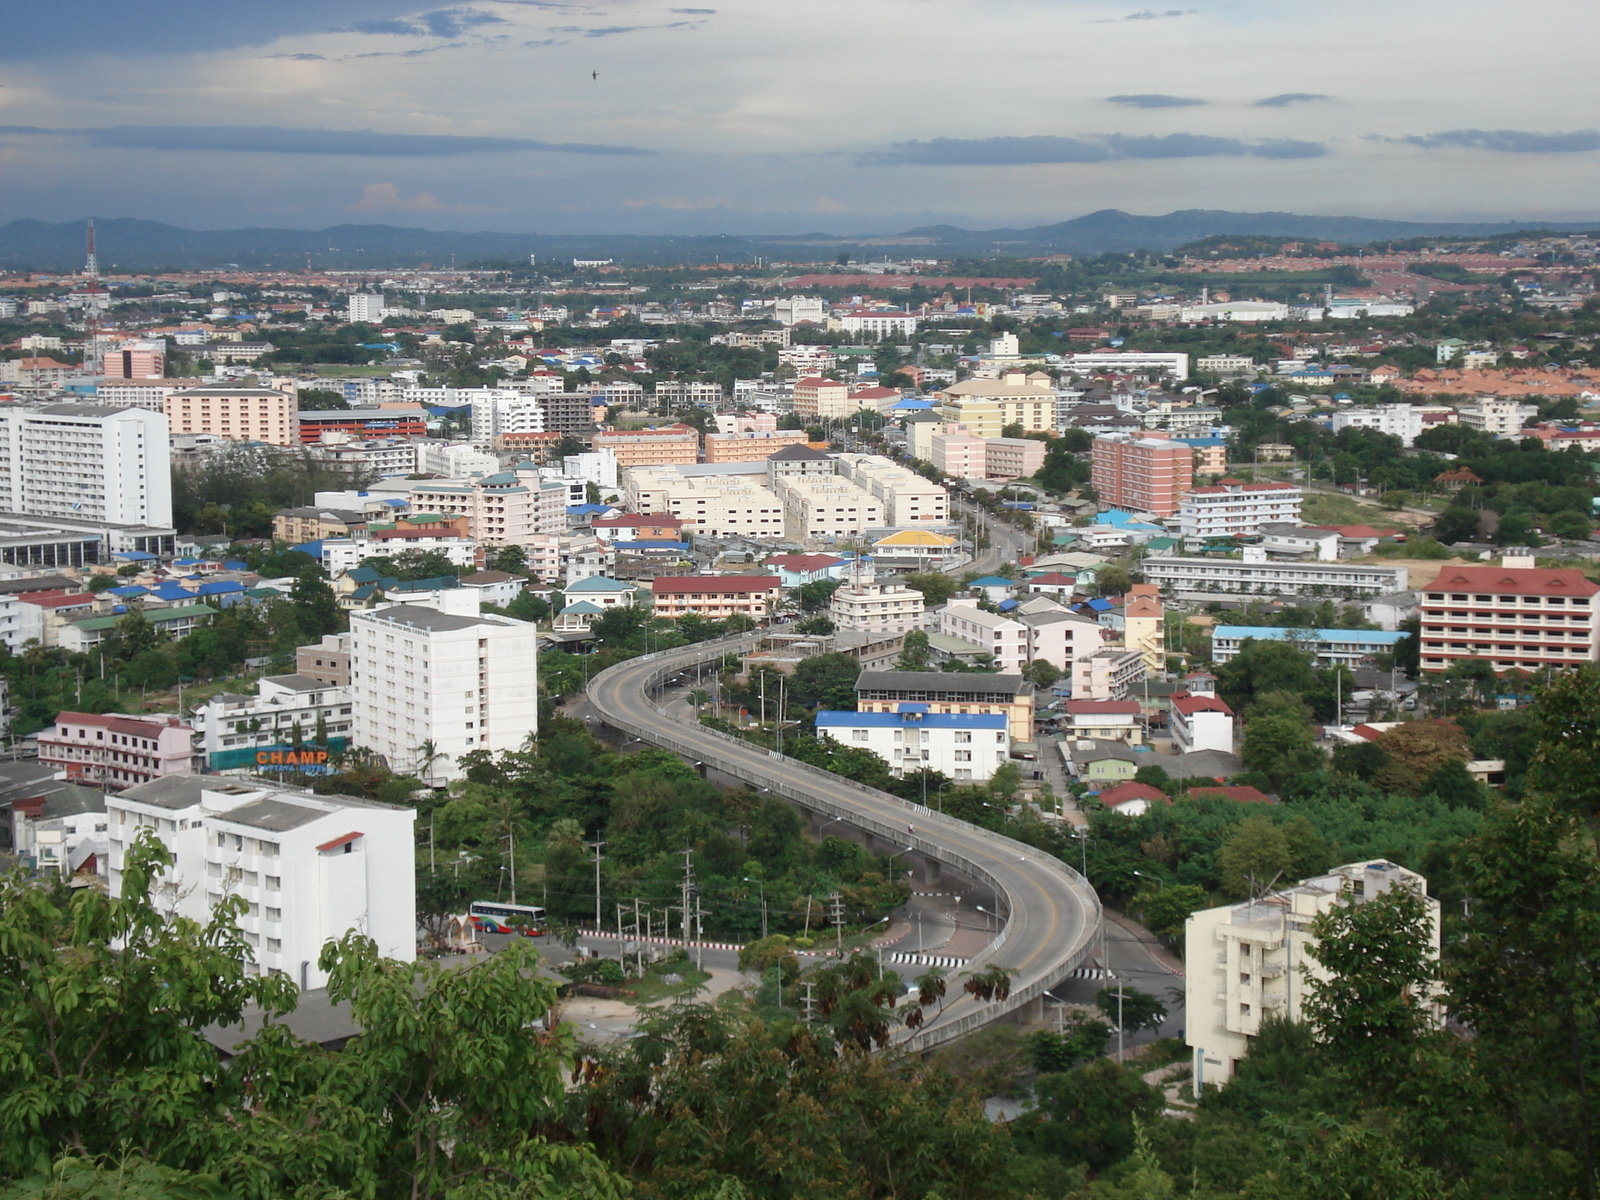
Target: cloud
column 386, row 197
column 678, row 203
column 273, row 139
column 1017, row 151
column 1154, row 100
column 1507, row 141
column 695, row 12
column 443, row 22
column 1284, row 99
column 1147, row 15
column 301, row 57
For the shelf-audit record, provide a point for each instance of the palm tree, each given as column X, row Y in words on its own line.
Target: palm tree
column 428, row 753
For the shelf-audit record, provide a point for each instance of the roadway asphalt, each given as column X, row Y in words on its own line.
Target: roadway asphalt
column 1052, row 915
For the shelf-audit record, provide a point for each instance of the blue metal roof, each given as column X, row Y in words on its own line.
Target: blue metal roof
column 860, row 720
column 991, row 581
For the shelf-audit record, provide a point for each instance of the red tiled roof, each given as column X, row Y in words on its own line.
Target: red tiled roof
column 147, row 727
column 636, row 520
column 335, row 843
column 1513, row 582
column 56, row 599
column 668, row 584
column 1110, row 708
column 1189, row 705
column 1358, row 531
column 1054, row 578
column 1124, row 792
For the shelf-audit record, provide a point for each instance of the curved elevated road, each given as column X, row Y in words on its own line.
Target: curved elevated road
column 1052, row 912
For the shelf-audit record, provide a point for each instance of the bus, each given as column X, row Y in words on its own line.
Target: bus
column 489, row 916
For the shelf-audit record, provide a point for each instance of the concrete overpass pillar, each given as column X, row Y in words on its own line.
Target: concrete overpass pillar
column 932, row 872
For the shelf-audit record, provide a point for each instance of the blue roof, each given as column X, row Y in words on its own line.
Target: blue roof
column 135, row 556
column 582, row 606
column 1101, row 605
column 186, row 562
column 860, row 720
column 1007, row 605
column 220, row 587
column 578, row 510
column 650, row 544
column 234, row 564
column 314, row 549
column 1271, row 633
column 1202, row 441
column 438, row 583
column 129, row 592
column 173, row 591
column 597, row 583
column 991, row 581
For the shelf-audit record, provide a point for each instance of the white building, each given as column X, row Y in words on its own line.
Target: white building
column 1231, row 508
column 1249, row 961
column 364, row 307
column 86, row 462
column 1403, row 421
column 792, row 310
column 598, row 467
column 1237, row 311
column 1331, row 647
column 454, row 460
column 967, row 747
column 1201, row 723
column 461, row 683
column 310, row 868
column 1007, row 640
column 1300, row 541
column 497, row 411
column 875, row 323
column 876, row 608
column 229, row 728
column 1254, row 573
column 1501, row 418
column 1097, row 361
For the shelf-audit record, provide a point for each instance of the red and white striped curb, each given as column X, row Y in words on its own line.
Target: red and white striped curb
column 655, row 941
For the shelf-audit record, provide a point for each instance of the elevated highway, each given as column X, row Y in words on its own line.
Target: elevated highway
column 1052, row 914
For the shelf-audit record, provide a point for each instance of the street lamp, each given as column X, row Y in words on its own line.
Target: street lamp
column 1083, row 851
column 763, row 888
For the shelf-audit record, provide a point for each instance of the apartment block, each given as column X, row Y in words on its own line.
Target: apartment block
column 1255, row 574
column 115, row 750
column 504, row 509
column 246, row 414
column 1515, row 616
column 1491, row 415
column 717, row 503
column 286, row 712
column 1006, row 640
column 460, row 683
column 1331, row 647
column 1011, row 696
column 327, row 662
column 986, row 406
column 653, row 447
column 1231, row 508
column 750, row 445
column 966, row 748
column 876, row 608
column 1108, row 720
column 826, row 507
column 716, row 597
column 309, row 868
column 1200, row 723
column 1149, row 473
column 87, row 463
column 1108, row 674
column 1065, row 640
column 822, row 399
column 135, row 360
column 1246, row 962
column 909, row 500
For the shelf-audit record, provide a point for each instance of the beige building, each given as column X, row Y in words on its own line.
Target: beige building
column 1143, row 624
column 1249, row 961
column 1498, row 417
column 750, row 446
column 312, row 524
column 711, row 504
column 651, row 447
column 876, row 608
column 507, row 509
column 951, row 692
column 822, row 399
column 244, row 414
column 908, row 499
column 716, row 596
column 826, row 506
column 987, row 406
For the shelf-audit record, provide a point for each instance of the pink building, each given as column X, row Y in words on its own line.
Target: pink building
column 135, row 360
column 116, row 750
column 1144, row 473
column 959, row 454
column 1012, row 458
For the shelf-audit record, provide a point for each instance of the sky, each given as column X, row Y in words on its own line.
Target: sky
column 764, row 116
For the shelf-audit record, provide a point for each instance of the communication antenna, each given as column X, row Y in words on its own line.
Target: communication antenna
column 91, row 306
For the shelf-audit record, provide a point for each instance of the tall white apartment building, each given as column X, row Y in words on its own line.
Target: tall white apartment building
column 366, row 307
column 826, row 506
column 86, row 462
column 1249, row 961
column 1007, row 640
column 499, row 410
column 1501, row 418
column 876, row 608
column 310, row 868
column 1401, row 420
column 961, row 746
column 462, row 683
column 1231, row 508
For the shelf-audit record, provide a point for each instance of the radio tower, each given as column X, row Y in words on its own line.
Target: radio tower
column 91, row 306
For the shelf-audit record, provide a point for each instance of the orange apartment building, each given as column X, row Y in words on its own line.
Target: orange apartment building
column 716, row 596
column 1516, row 616
column 244, row 414
column 662, row 446
column 1144, row 473
column 750, row 446
column 816, row 398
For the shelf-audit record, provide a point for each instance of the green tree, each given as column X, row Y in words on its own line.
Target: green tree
column 316, row 606
column 914, row 653
column 1041, row 672
column 815, row 595
column 1088, row 1115
column 936, row 589
column 1138, row 1010
column 1165, row 909
column 1113, row 580
column 1280, row 745
column 1255, row 855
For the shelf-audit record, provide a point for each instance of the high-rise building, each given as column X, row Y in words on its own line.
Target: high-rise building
column 86, row 462
column 365, row 307
column 244, row 414
column 654, row 447
column 428, row 682
column 1149, row 473
column 134, row 360
column 1514, row 615
column 310, row 868
column 1231, row 508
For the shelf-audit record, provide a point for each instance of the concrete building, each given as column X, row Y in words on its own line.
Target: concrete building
column 1108, row 674
column 1142, row 474
column 984, row 407
column 1499, row 417
column 1514, row 615
column 328, row 662
column 716, row 597
column 1332, row 647
column 365, row 308
column 87, row 463
column 751, row 445
column 1231, row 508
column 826, row 507
column 876, row 608
column 717, row 503
column 1403, row 421
column 286, row 712
column 1300, row 542
column 653, row 447
column 1131, row 362
column 1107, row 720
column 1011, row 696
column 1200, row 723
column 966, row 748
column 1062, row 639
column 1001, row 637
column 909, row 501
column 1249, row 961
column 244, row 414
column 135, row 360
column 310, row 868
column 462, row 683
column 116, row 750
column 313, row 523
column 175, row 621
column 509, row 508
column 875, row 323
column 818, row 399
column 1142, row 622
column 1256, row 574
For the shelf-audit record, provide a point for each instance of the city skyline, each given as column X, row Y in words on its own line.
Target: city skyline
column 641, row 117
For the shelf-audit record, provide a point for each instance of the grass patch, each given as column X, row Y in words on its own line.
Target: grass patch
column 1322, row 508
column 351, row 370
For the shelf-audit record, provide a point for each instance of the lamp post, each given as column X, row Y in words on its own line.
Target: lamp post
column 763, row 888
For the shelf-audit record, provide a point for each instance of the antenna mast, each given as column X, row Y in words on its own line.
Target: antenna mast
column 91, row 306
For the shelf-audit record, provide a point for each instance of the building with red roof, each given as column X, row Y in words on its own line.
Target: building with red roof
column 1517, row 616
column 716, row 596
column 1113, row 720
column 1200, row 723
column 115, row 750
column 1232, row 508
column 1132, row 799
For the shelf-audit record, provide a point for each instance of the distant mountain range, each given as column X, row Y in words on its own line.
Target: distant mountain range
column 132, row 245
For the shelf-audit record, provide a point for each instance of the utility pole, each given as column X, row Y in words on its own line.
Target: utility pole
column 836, row 904
column 688, row 890
column 595, row 846
column 511, row 846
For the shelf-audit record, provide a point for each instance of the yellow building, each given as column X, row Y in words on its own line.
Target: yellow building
column 986, row 406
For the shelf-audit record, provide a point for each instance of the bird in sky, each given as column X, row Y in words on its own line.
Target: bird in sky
column 595, row 75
